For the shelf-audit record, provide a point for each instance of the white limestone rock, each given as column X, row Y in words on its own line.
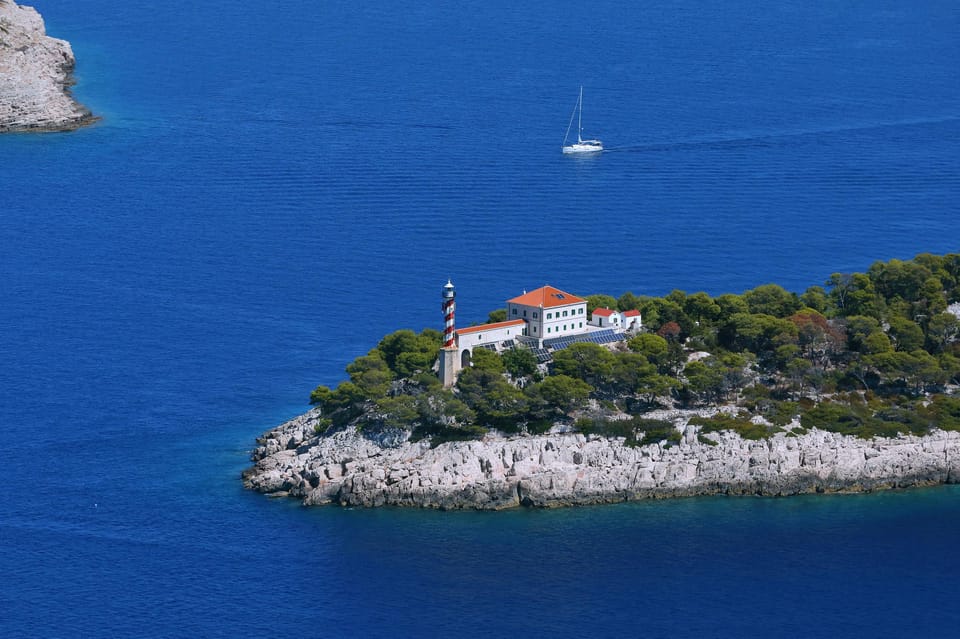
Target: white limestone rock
column 35, row 75
column 566, row 469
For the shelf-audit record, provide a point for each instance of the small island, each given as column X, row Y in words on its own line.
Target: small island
column 564, row 400
column 36, row 73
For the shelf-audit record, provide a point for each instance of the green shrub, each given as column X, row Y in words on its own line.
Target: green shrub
column 906, row 419
column 833, row 417
column 944, row 412
column 865, row 422
column 783, row 413
column 539, row 426
column 743, row 427
column 616, row 428
column 779, row 413
column 443, row 434
column 427, row 380
column 585, row 425
column 655, row 431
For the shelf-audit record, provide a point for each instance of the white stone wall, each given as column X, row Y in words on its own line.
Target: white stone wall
column 613, row 320
column 532, row 315
column 556, row 324
column 487, row 335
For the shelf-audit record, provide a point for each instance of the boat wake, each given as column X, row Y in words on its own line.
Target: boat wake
column 771, row 139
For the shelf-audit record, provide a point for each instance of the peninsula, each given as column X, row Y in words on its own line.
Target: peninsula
column 36, row 72
column 851, row 386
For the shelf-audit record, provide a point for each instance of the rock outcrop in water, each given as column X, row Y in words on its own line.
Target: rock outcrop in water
column 35, row 75
column 348, row 468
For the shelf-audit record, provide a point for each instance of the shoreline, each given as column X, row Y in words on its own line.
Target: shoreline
column 36, row 73
column 571, row 469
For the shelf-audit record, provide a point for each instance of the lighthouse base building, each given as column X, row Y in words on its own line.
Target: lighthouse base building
column 448, row 366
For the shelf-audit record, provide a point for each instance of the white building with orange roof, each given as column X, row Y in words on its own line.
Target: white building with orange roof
column 632, row 321
column 606, row 318
column 549, row 312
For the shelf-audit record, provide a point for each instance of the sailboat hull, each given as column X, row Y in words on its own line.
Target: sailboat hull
column 584, row 146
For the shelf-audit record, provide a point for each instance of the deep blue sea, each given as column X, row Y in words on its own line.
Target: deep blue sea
column 276, row 185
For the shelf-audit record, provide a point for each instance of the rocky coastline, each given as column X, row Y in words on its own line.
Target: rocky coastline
column 566, row 469
column 36, row 73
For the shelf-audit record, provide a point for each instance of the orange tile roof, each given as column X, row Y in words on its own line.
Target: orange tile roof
column 546, row 297
column 631, row 313
column 603, row 312
column 489, row 327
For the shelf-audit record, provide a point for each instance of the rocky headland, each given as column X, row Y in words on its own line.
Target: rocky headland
column 563, row 469
column 36, row 72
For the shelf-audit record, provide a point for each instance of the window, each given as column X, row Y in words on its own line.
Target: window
column 564, row 313
column 549, row 315
column 581, row 311
column 534, row 315
column 534, row 329
column 524, row 312
column 514, row 311
column 548, row 329
column 581, row 324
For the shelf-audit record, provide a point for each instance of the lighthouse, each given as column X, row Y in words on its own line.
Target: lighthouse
column 448, row 354
column 449, row 308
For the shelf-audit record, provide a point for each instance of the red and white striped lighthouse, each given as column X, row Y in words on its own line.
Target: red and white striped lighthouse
column 449, row 361
column 449, row 308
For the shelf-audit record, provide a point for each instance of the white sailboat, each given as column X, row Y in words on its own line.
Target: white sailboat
column 581, row 145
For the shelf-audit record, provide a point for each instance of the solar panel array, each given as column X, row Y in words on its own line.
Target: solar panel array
column 596, row 337
column 542, row 355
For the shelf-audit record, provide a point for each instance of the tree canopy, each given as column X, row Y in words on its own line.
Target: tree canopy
column 865, row 350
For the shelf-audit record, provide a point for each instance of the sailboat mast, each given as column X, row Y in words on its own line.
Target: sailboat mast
column 580, row 116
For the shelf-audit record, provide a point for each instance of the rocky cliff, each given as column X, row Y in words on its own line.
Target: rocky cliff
column 35, row 75
column 566, row 469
